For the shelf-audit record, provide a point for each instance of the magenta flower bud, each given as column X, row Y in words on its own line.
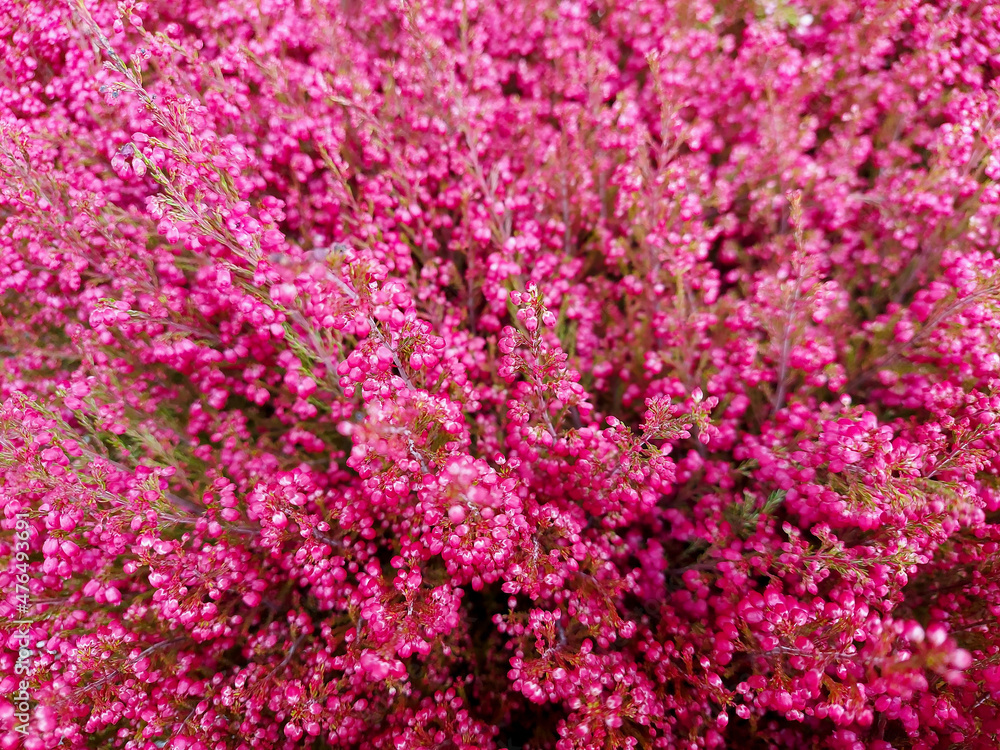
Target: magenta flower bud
column 937, row 635
column 306, row 387
column 120, row 165
column 251, row 599
column 961, row 659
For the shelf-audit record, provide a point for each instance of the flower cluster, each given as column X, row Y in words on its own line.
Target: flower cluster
column 532, row 374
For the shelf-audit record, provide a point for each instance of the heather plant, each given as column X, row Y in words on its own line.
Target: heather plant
column 537, row 374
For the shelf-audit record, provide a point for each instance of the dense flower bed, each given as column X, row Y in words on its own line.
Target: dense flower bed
column 498, row 374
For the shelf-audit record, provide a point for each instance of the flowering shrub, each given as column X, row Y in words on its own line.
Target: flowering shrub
column 550, row 374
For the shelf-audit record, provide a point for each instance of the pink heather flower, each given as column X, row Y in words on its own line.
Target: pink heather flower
column 479, row 375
